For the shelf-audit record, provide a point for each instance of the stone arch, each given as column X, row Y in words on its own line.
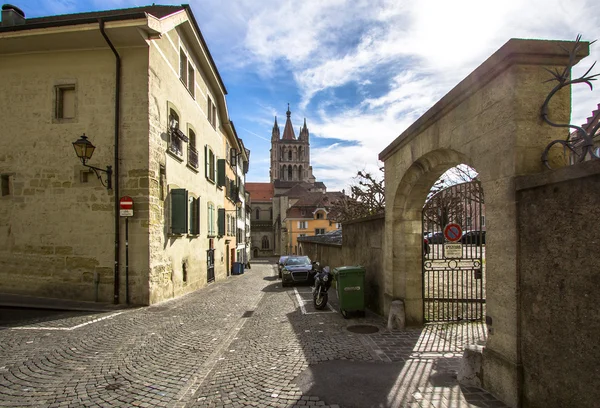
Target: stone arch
column 289, row 155
column 491, row 122
column 289, row 173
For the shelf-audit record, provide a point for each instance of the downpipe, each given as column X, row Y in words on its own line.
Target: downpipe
column 116, row 158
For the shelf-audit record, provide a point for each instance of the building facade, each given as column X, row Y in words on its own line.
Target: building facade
column 141, row 85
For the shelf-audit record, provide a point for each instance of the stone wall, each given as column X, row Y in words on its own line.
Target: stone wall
column 558, row 212
column 56, row 231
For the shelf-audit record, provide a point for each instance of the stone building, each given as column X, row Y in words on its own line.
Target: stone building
column 290, row 201
column 141, row 84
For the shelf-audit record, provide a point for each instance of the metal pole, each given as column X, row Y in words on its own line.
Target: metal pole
column 127, row 259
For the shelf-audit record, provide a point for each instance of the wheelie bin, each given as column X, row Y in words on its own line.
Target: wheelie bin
column 350, row 287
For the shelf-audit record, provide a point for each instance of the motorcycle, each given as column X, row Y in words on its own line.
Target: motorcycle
column 322, row 284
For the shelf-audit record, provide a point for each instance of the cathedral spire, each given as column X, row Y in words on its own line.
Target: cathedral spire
column 288, row 130
column 275, row 132
column 303, row 132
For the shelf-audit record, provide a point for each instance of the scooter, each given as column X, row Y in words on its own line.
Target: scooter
column 322, row 285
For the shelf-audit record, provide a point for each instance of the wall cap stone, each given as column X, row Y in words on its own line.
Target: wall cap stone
column 514, row 52
column 363, row 219
column 576, row 171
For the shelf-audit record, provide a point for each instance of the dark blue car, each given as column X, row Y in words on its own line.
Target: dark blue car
column 297, row 269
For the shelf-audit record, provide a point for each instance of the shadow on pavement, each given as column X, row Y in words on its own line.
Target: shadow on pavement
column 20, row 316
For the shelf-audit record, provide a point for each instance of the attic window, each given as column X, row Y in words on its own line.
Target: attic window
column 65, row 102
column 320, row 216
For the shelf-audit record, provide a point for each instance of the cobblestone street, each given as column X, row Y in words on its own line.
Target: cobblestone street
column 242, row 342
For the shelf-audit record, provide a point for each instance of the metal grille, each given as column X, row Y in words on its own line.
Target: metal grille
column 454, row 281
column 210, row 265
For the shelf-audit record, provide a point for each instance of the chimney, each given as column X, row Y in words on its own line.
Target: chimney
column 12, row 16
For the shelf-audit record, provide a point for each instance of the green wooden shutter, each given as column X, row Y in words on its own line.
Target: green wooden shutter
column 221, row 172
column 179, row 211
column 195, row 216
column 221, row 222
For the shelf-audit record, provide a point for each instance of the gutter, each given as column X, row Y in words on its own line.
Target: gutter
column 116, row 163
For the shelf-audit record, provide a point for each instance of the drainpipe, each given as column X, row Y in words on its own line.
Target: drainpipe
column 116, row 164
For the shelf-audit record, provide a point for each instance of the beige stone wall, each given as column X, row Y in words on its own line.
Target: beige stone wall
column 490, row 121
column 169, row 253
column 58, row 232
column 559, row 298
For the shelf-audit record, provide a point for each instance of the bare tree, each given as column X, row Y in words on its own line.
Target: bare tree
column 367, row 197
column 445, row 204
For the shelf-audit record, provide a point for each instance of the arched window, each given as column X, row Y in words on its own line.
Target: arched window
column 283, row 153
column 289, row 155
column 300, row 157
column 265, row 242
column 289, row 175
column 300, row 175
column 281, row 173
column 257, row 213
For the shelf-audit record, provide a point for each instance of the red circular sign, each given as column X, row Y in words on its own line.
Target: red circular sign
column 126, row 203
column 453, row 232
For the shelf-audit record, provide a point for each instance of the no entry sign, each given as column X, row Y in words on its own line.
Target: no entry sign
column 453, row 232
column 126, row 206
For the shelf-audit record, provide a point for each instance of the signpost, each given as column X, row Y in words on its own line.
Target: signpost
column 126, row 210
column 453, row 251
column 453, row 232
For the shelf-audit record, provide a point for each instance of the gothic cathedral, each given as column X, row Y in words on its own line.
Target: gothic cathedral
column 290, row 157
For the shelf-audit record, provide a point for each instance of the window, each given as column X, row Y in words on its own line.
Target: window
column 211, row 219
column 212, row 113
column 320, row 216
column 301, row 235
column 227, row 152
column 338, row 225
column 302, row 225
column 65, row 102
column 175, row 135
column 209, row 161
column 289, row 175
column 162, row 174
column 194, row 216
column 179, row 211
column 270, row 213
column 265, row 242
column 222, row 180
column 5, row 181
column 192, row 152
column 483, row 220
column 186, row 72
column 289, row 155
column 319, row 231
column 257, row 213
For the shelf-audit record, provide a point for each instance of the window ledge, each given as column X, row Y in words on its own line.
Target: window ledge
column 192, row 168
column 176, row 156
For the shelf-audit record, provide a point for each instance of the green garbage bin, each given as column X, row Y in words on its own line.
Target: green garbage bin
column 350, row 286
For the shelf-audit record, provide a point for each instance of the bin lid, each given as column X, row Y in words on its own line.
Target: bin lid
column 349, row 270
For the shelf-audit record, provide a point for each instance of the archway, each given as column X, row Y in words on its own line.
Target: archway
column 490, row 121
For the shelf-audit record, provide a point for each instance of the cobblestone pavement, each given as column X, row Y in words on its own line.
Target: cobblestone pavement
column 242, row 342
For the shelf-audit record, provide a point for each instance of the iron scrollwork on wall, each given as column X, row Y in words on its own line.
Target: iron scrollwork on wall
column 579, row 143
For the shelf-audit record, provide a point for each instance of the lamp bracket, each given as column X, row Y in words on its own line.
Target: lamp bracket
column 108, row 172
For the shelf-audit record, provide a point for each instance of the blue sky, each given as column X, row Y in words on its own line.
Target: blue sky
column 360, row 71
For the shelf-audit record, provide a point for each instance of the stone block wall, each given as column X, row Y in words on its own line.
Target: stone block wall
column 559, row 278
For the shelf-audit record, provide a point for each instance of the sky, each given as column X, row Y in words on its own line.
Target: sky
column 359, row 71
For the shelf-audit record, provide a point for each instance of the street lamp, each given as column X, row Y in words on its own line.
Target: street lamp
column 84, row 150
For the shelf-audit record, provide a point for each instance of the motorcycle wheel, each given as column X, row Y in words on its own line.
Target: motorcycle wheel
column 320, row 301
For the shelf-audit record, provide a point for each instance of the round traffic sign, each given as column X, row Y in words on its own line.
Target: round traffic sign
column 453, row 232
column 126, row 203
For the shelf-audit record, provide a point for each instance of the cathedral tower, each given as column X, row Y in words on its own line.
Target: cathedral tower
column 290, row 157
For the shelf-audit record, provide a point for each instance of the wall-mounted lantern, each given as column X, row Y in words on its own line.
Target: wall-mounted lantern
column 84, row 150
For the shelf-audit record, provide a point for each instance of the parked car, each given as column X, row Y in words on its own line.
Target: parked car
column 473, row 237
column 435, row 238
column 280, row 263
column 297, row 269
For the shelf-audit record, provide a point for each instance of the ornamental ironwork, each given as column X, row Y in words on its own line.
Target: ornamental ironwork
column 580, row 142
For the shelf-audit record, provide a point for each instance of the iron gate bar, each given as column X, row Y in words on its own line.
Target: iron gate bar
column 453, row 288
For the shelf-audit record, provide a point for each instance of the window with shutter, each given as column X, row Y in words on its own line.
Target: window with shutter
column 179, row 211
column 221, row 222
column 211, row 219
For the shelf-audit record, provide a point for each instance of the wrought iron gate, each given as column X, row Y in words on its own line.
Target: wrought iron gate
column 454, row 275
